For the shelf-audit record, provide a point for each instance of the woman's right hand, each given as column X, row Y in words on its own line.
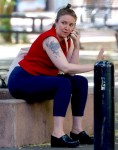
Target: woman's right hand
column 100, row 55
column 76, row 39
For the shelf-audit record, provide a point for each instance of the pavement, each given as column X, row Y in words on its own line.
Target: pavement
column 47, row 146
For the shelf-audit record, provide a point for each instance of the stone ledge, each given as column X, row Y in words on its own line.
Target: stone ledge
column 24, row 124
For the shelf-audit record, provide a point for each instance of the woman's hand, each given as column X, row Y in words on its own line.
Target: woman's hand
column 100, row 55
column 75, row 37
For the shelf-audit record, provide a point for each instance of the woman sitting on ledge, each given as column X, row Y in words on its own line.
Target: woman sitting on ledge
column 48, row 71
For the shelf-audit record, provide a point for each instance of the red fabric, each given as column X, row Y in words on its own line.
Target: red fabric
column 36, row 61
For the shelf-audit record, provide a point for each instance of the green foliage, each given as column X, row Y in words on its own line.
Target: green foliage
column 6, row 8
column 24, row 38
column 5, row 24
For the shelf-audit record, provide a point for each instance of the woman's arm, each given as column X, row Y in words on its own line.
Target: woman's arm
column 55, row 53
column 73, row 54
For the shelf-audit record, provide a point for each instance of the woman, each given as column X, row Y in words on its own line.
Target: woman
column 38, row 77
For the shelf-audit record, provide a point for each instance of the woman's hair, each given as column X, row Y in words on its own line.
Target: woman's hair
column 66, row 11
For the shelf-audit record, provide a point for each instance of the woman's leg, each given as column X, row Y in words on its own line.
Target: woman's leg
column 23, row 85
column 79, row 92
column 78, row 101
column 79, row 95
column 28, row 87
column 77, row 124
column 58, row 130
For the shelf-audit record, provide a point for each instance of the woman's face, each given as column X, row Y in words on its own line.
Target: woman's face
column 64, row 26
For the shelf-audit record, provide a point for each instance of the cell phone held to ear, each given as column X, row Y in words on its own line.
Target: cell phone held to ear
column 69, row 36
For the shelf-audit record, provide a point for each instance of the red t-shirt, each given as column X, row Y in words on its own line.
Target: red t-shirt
column 37, row 61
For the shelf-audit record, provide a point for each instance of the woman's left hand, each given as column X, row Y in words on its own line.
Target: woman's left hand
column 100, row 55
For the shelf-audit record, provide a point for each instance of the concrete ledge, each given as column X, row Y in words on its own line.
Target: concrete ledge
column 24, row 124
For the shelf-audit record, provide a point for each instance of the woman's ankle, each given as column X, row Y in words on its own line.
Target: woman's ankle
column 58, row 134
column 76, row 131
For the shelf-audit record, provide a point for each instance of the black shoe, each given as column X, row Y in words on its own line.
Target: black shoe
column 64, row 141
column 82, row 137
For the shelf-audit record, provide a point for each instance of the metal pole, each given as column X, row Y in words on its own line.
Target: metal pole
column 104, row 105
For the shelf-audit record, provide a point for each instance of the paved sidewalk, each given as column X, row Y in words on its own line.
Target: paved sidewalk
column 46, row 147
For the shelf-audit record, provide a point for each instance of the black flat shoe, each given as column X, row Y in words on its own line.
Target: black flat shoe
column 64, row 141
column 82, row 137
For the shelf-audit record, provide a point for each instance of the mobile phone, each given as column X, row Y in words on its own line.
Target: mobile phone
column 69, row 36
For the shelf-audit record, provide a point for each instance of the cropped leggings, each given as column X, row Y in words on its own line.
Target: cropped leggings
column 61, row 88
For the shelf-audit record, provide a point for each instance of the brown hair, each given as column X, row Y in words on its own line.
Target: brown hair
column 66, row 11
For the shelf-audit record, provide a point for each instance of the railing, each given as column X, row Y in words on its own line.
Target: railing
column 17, row 29
column 97, row 17
column 88, row 17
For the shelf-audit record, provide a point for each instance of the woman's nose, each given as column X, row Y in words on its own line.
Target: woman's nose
column 67, row 27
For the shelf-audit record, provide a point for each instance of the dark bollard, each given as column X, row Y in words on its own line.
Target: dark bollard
column 103, row 105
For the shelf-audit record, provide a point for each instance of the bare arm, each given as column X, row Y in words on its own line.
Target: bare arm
column 55, row 53
column 73, row 54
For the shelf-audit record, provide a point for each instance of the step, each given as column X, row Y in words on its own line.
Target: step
column 23, row 124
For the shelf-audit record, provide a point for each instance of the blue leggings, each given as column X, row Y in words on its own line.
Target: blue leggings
column 61, row 88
